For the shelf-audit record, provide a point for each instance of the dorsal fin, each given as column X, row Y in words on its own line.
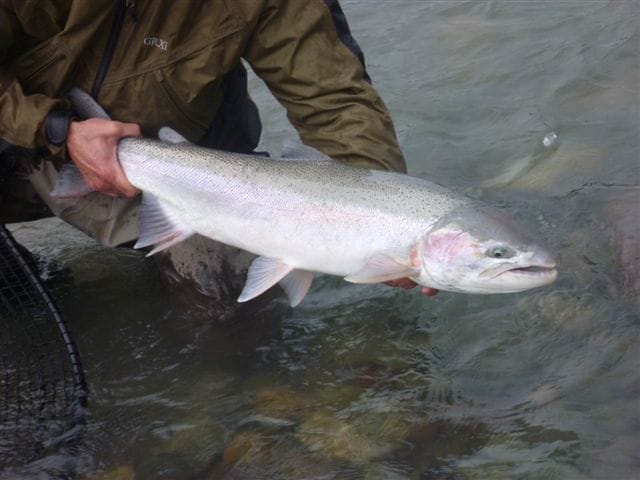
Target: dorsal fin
column 169, row 135
column 293, row 149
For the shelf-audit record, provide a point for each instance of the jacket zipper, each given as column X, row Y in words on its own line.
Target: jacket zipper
column 109, row 50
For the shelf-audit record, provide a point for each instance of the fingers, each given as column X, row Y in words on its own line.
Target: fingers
column 92, row 145
column 130, row 129
column 122, row 184
column 429, row 292
column 407, row 284
column 110, row 181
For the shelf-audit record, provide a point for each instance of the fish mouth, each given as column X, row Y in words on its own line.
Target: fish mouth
column 541, row 274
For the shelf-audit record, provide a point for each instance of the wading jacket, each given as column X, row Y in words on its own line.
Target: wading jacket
column 164, row 62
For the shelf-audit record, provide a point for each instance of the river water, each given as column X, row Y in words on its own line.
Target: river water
column 369, row 382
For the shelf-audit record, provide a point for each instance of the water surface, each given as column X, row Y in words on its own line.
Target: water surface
column 376, row 383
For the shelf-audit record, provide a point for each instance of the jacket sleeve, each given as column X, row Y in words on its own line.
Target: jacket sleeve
column 22, row 115
column 296, row 50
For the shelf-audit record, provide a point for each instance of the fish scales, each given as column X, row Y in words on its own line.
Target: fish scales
column 300, row 209
column 317, row 215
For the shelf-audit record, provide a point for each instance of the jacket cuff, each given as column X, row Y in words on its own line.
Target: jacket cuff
column 56, row 126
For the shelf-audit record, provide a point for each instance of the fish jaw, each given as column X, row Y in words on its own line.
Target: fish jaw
column 528, row 270
column 482, row 257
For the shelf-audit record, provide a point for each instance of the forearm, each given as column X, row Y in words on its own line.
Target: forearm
column 296, row 50
column 22, row 114
column 22, row 117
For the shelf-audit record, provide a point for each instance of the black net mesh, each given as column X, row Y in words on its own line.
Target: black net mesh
column 42, row 386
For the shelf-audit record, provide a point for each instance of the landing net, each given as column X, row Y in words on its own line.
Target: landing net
column 42, row 384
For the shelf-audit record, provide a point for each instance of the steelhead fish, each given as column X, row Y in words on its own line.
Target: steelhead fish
column 303, row 215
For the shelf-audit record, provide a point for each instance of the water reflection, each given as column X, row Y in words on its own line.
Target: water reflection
column 370, row 382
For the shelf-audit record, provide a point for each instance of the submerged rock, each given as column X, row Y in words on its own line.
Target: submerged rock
column 242, row 446
column 165, row 466
column 289, row 404
column 199, row 441
column 434, row 443
column 359, row 439
column 283, row 403
column 252, row 455
column 566, row 168
column 334, row 438
column 622, row 214
column 123, row 472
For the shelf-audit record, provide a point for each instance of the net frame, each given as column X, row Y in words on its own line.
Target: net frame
column 43, row 389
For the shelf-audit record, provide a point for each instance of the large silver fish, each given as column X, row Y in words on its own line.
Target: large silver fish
column 303, row 215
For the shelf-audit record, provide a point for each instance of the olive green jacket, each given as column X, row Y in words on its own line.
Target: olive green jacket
column 169, row 61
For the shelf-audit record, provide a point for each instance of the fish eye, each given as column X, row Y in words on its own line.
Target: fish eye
column 500, row 251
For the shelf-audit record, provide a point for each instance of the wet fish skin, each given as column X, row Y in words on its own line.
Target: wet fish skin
column 316, row 215
column 323, row 216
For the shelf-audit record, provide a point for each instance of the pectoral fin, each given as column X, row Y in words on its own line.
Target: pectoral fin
column 381, row 268
column 262, row 275
column 159, row 225
column 70, row 183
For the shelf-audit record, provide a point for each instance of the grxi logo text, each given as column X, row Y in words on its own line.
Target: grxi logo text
column 156, row 42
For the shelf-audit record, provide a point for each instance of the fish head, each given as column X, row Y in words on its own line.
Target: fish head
column 477, row 249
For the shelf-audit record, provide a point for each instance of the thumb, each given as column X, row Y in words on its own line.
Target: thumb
column 130, row 130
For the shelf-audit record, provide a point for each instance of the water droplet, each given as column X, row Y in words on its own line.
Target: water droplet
column 550, row 139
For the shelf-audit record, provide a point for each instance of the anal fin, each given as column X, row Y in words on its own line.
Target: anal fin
column 296, row 285
column 262, row 275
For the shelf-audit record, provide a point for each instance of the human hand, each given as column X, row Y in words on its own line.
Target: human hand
column 407, row 284
column 92, row 145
